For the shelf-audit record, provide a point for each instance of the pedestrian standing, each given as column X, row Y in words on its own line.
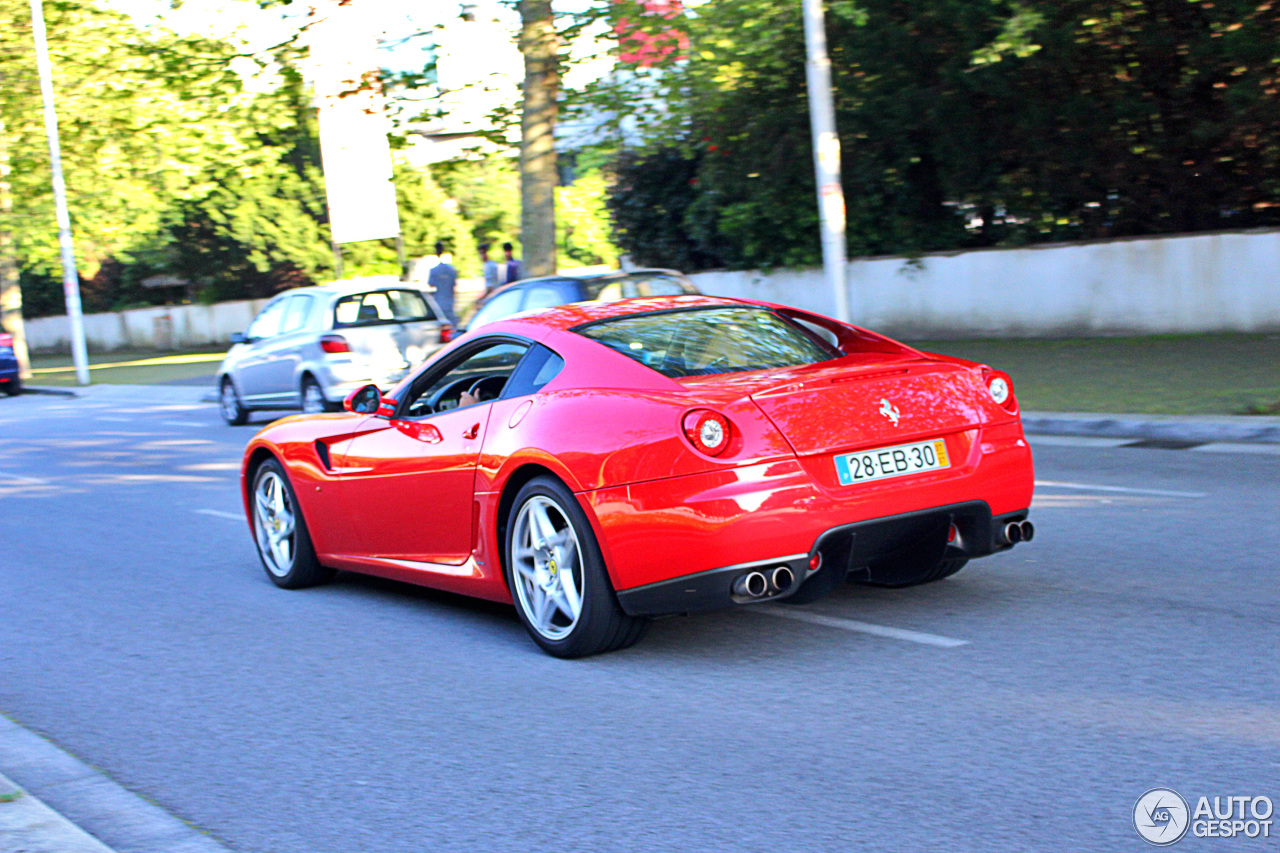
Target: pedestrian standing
column 511, row 272
column 490, row 268
column 443, row 277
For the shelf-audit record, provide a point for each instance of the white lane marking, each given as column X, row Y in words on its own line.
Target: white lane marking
column 864, row 627
column 1077, row 441
column 1237, row 447
column 18, row 478
column 1162, row 492
column 183, row 423
column 217, row 513
column 117, row 419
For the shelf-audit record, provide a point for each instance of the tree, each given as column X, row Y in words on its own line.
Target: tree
column 964, row 123
column 540, row 44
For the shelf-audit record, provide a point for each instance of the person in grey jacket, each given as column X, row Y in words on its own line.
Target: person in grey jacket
column 444, row 277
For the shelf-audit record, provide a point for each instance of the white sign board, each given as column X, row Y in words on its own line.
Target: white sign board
column 353, row 127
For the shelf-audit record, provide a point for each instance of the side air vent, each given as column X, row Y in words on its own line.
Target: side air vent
column 322, row 450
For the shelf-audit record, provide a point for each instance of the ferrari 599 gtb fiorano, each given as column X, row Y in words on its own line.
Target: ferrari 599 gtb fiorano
column 600, row 464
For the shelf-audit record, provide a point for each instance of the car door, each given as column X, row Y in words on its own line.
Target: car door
column 409, row 480
column 252, row 369
column 283, row 353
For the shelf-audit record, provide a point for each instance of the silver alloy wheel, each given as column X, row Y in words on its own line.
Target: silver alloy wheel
column 312, row 397
column 274, row 524
column 547, row 567
column 228, row 401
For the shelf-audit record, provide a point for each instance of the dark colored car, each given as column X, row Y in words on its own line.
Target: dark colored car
column 550, row 291
column 9, row 380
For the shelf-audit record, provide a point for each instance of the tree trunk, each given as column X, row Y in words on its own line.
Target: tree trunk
column 10, row 293
column 540, row 45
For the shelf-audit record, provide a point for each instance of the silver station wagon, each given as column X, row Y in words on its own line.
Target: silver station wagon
column 310, row 347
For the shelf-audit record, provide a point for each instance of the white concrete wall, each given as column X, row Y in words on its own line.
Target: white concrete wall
column 1227, row 282
column 162, row 327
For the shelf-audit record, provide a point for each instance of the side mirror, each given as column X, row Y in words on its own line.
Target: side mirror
column 239, row 338
column 364, row 400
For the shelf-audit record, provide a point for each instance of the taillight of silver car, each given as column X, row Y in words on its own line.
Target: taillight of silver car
column 446, row 333
column 334, row 343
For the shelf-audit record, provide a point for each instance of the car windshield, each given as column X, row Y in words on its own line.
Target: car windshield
column 706, row 341
column 381, row 306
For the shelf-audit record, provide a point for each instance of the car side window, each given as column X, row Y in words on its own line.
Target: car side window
column 296, row 314
column 482, row 374
column 659, row 285
column 267, row 323
column 539, row 367
column 505, row 303
column 543, row 296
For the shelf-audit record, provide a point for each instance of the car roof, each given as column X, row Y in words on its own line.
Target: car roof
column 611, row 275
column 566, row 317
column 363, row 284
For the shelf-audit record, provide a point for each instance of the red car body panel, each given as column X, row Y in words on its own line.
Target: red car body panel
column 420, row 500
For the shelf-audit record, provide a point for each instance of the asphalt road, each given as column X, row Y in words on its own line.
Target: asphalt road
column 1132, row 645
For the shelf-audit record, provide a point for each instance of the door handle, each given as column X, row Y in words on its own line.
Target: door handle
column 473, row 432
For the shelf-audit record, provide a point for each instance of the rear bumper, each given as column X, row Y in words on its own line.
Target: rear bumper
column 849, row 550
column 703, row 525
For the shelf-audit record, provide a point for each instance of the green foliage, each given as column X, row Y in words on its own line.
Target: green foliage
column 487, row 191
column 583, row 230
column 963, row 123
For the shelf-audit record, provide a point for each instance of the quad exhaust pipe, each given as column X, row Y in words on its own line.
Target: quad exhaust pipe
column 1019, row 531
column 782, row 579
column 758, row 584
column 752, row 584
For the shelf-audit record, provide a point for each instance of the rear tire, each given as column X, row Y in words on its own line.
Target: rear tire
column 280, row 531
column 313, row 399
column 14, row 387
column 557, row 576
column 233, row 411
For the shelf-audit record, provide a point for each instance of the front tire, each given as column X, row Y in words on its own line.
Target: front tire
column 233, row 411
column 280, row 531
column 557, row 576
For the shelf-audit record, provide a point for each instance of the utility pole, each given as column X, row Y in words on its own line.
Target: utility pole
column 10, row 291
column 70, row 279
column 826, row 154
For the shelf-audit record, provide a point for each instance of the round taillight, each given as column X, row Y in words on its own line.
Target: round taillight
column 446, row 333
column 707, row 431
column 1000, row 387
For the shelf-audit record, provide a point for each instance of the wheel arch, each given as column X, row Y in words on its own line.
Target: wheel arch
column 252, row 462
column 514, row 482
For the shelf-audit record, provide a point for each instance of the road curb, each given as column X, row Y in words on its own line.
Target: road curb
column 60, row 793
column 1245, row 429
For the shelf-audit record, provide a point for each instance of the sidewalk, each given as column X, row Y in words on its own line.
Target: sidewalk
column 52, row 802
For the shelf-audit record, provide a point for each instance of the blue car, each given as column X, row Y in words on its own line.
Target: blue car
column 9, row 380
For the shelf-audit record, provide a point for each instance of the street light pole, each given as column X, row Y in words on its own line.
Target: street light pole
column 70, row 279
column 826, row 154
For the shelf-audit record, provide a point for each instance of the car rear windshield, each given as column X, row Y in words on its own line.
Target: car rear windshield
column 706, row 341
column 381, row 306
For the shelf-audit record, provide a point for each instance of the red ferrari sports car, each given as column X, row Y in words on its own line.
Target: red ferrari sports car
column 599, row 464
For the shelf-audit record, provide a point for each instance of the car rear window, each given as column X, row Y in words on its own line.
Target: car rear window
column 638, row 284
column 706, row 341
column 381, row 306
